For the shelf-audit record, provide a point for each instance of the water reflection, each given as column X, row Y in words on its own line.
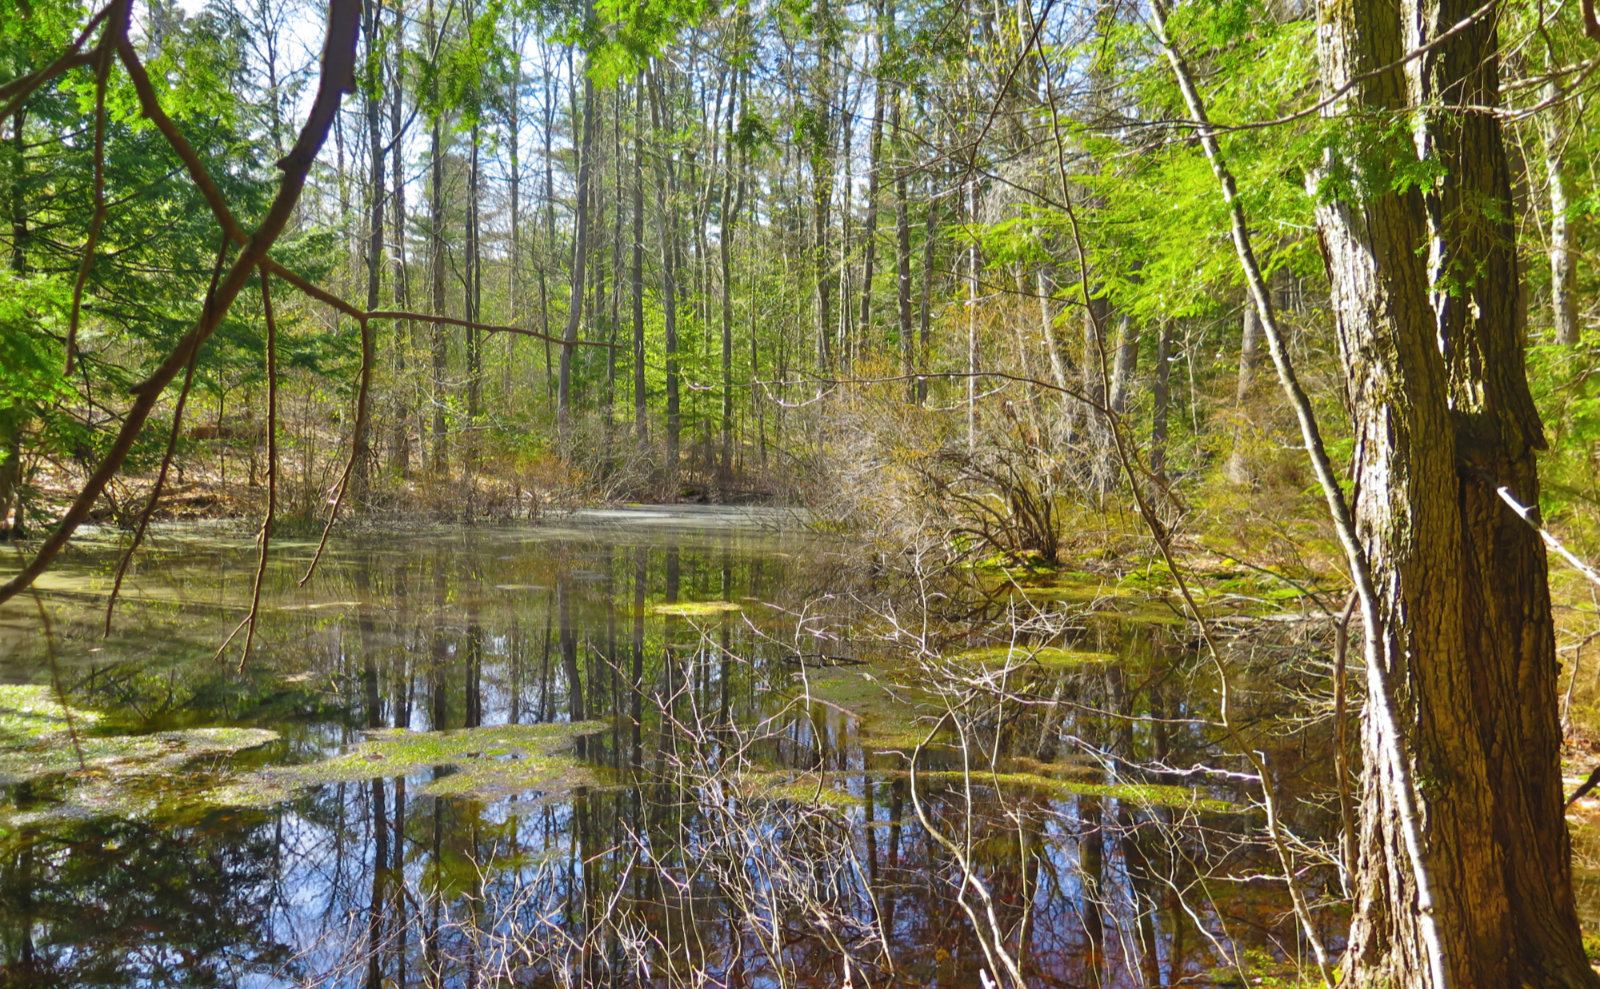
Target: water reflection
column 744, row 814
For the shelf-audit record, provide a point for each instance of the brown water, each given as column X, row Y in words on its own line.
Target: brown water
column 737, row 809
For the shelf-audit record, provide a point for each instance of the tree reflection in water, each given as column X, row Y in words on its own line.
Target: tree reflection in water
column 744, row 817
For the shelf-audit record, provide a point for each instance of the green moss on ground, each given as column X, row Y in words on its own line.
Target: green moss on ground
column 881, row 706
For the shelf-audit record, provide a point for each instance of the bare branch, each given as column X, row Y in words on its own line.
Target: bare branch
column 338, row 61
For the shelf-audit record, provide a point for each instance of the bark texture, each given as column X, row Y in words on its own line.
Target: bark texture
column 1427, row 301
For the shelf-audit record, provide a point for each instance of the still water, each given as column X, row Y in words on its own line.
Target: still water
column 677, row 750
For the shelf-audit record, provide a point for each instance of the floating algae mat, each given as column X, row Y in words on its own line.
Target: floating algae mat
column 696, row 609
column 1144, row 794
column 492, row 760
column 824, row 790
column 1074, row 588
column 58, row 756
column 1052, row 657
column 805, row 789
column 36, row 741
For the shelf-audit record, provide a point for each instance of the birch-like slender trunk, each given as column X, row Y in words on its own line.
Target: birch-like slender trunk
column 439, row 387
column 580, row 251
column 1553, row 135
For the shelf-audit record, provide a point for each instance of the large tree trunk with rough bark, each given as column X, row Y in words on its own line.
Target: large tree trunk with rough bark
column 1463, row 875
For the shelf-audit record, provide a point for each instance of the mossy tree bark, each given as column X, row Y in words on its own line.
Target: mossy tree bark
column 1430, row 324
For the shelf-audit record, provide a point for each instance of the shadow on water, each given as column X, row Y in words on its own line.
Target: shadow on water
column 732, row 804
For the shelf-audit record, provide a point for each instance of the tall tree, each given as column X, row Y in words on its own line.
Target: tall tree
column 580, row 247
column 440, row 344
column 816, row 135
column 372, row 93
column 869, row 233
column 1553, row 136
column 641, row 426
column 403, row 405
column 667, row 192
column 1464, row 874
column 733, row 178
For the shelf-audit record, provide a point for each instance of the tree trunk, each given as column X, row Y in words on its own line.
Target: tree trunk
column 819, row 146
column 1463, row 874
column 972, row 317
column 1237, row 470
column 12, row 420
column 641, row 425
column 400, row 441
column 1553, row 138
column 729, row 216
column 1098, row 362
column 1126, row 364
column 436, row 299
column 514, row 175
column 1161, row 402
column 473, row 307
column 580, row 254
column 361, row 454
column 549, row 109
column 926, row 330
column 667, row 189
column 11, row 521
column 902, row 242
column 869, row 230
column 618, row 275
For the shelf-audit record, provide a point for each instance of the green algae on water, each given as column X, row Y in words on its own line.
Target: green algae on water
column 1148, row 794
column 28, row 711
column 804, row 789
column 101, row 775
column 36, row 741
column 1050, row 657
column 696, row 609
column 490, row 760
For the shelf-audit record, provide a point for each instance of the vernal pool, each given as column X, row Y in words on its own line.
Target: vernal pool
column 648, row 746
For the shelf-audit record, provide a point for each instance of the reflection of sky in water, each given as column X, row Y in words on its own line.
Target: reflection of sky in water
column 447, row 627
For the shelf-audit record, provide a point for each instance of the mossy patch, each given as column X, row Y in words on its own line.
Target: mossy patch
column 124, row 756
column 814, row 790
column 490, row 760
column 28, row 711
column 1049, row 657
column 1148, row 794
column 696, row 609
column 36, row 743
column 1076, row 588
column 883, row 708
column 485, row 777
column 904, row 742
column 803, row 790
column 117, row 776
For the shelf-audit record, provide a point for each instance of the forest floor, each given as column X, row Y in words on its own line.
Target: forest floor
column 213, row 488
